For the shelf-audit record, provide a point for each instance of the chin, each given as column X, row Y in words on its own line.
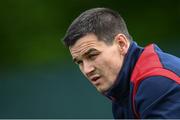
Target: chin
column 102, row 90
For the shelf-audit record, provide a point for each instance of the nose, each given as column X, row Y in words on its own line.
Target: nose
column 88, row 68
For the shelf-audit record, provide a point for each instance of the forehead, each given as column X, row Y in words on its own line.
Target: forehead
column 85, row 43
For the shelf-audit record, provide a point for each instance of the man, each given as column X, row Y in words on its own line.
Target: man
column 141, row 82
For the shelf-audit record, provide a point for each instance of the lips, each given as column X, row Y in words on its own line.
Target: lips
column 95, row 79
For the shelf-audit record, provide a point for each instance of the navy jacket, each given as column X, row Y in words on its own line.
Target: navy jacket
column 156, row 96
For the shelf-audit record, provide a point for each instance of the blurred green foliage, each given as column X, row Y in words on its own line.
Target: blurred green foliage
column 31, row 30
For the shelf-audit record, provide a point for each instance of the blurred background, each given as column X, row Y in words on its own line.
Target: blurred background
column 37, row 76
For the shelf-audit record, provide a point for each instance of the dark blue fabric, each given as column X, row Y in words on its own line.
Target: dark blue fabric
column 158, row 97
column 121, row 92
column 168, row 61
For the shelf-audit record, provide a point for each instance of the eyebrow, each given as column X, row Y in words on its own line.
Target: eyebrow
column 86, row 53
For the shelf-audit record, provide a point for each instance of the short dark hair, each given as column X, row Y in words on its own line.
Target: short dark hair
column 102, row 22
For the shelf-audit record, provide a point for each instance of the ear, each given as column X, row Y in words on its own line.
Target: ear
column 122, row 42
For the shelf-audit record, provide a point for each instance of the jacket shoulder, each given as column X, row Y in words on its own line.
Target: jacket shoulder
column 149, row 65
column 158, row 97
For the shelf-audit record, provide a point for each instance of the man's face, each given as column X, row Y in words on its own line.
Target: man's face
column 99, row 62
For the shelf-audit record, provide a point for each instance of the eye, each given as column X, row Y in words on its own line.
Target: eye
column 92, row 56
column 79, row 62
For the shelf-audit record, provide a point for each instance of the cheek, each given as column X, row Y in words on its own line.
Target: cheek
column 110, row 62
column 80, row 68
column 111, row 66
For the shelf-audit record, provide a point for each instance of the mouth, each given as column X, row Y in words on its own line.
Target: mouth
column 95, row 80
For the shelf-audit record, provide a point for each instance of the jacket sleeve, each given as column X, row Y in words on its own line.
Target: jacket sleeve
column 158, row 97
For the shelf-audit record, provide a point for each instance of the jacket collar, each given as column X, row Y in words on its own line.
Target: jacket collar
column 121, row 88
